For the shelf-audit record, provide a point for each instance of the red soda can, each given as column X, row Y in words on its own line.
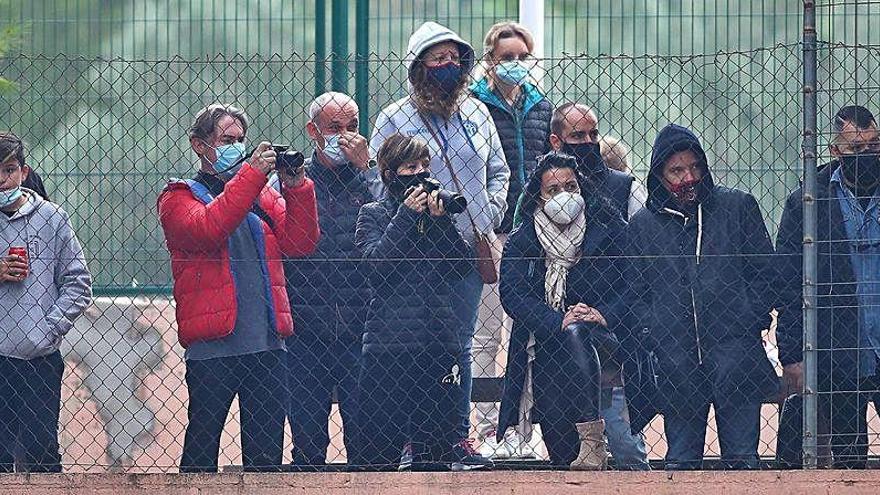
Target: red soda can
column 20, row 251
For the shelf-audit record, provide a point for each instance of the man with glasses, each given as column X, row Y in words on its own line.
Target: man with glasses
column 848, row 285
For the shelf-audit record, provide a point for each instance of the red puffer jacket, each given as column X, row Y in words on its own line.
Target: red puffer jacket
column 197, row 235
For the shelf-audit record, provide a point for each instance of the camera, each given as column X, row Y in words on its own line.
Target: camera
column 287, row 159
column 453, row 202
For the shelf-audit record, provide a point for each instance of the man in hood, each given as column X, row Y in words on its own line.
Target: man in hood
column 848, row 286
column 701, row 280
column 466, row 157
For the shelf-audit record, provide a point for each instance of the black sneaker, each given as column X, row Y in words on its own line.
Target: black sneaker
column 467, row 458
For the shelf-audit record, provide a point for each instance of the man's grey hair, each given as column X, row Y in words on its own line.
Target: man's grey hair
column 322, row 100
column 208, row 118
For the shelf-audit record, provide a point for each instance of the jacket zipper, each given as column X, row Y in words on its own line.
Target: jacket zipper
column 696, row 320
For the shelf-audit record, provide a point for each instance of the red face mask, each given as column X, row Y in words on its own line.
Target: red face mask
column 685, row 191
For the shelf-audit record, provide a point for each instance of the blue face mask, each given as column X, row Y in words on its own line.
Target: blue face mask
column 332, row 150
column 445, row 77
column 513, row 73
column 10, row 196
column 228, row 156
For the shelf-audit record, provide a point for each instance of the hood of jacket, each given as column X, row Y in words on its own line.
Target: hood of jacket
column 672, row 139
column 428, row 35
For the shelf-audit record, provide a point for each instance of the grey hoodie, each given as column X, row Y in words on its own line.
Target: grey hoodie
column 473, row 145
column 36, row 313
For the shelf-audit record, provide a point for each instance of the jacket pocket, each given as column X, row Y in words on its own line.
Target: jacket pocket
column 43, row 338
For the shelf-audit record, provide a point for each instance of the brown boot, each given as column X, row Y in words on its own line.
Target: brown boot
column 593, row 455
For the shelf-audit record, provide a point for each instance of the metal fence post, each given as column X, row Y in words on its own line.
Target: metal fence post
column 320, row 46
column 339, row 69
column 810, row 235
column 362, row 64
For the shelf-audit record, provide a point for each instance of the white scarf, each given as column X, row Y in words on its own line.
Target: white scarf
column 562, row 246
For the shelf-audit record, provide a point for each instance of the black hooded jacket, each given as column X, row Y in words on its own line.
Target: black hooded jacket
column 701, row 285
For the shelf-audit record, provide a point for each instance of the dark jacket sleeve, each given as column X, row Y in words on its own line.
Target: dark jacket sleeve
column 758, row 271
column 379, row 240
column 789, row 279
column 518, row 298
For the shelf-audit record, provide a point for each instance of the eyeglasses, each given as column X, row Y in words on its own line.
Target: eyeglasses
column 436, row 59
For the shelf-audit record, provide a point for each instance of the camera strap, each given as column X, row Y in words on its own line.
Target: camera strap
column 450, row 168
column 486, row 256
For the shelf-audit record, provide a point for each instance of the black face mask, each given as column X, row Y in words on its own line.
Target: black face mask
column 588, row 157
column 399, row 186
column 862, row 171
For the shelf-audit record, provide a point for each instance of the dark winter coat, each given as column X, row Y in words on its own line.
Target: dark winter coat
column 328, row 291
column 597, row 280
column 413, row 261
column 701, row 287
column 837, row 301
column 524, row 133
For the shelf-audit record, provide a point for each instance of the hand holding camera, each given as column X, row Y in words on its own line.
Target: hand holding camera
column 263, row 158
column 290, row 166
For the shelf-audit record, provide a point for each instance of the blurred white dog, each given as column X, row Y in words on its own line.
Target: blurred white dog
column 114, row 349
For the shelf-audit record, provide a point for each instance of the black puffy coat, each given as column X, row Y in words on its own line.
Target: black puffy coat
column 413, row 260
column 328, row 290
column 702, row 287
column 524, row 134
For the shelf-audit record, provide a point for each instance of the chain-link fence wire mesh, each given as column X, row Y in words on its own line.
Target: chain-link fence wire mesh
column 124, row 395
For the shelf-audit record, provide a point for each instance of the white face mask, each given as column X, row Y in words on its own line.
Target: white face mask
column 564, row 208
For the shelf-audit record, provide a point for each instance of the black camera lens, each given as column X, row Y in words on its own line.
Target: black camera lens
column 289, row 161
column 454, row 203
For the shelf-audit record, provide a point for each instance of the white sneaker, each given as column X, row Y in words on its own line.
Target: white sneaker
column 509, row 448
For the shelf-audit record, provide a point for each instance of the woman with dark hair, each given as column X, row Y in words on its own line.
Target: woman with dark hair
column 563, row 284
column 466, row 158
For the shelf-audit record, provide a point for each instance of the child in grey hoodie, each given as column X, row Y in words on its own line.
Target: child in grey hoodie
column 44, row 286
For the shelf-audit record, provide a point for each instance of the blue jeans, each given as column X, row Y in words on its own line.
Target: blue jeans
column 465, row 303
column 738, row 432
column 628, row 449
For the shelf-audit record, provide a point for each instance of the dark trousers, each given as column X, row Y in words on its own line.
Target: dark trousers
column 409, row 396
column 738, row 433
column 842, row 424
column 567, row 390
column 315, row 369
column 260, row 380
column 30, row 402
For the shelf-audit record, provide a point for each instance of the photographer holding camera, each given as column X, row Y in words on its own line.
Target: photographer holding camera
column 328, row 291
column 410, row 380
column 226, row 232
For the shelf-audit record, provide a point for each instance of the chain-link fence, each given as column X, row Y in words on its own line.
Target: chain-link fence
column 676, row 305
